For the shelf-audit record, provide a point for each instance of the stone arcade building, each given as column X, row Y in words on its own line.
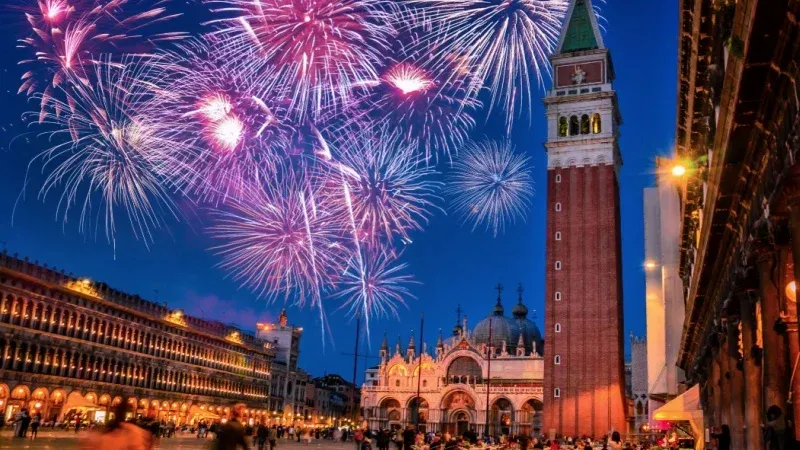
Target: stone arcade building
column 738, row 133
column 453, row 385
column 71, row 345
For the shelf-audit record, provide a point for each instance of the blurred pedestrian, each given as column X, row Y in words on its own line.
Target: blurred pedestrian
column 36, row 421
column 231, row 436
column 119, row 435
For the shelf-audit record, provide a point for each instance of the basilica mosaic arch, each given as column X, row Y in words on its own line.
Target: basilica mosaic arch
column 447, row 391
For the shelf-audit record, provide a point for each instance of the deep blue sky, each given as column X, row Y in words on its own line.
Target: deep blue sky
column 453, row 265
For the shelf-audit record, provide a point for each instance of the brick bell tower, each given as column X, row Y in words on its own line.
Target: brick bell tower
column 584, row 381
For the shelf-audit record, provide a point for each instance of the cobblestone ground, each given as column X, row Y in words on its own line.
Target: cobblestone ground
column 62, row 440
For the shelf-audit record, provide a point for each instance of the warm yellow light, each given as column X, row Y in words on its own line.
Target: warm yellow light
column 678, row 170
column 791, row 291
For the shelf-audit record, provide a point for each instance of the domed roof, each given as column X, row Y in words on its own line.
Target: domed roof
column 508, row 329
column 503, row 329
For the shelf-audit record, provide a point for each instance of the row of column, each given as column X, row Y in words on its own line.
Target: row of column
column 44, row 317
column 28, row 358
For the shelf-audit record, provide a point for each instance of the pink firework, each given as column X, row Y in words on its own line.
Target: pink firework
column 100, row 158
column 279, row 241
column 67, row 35
column 424, row 107
column 391, row 190
column 231, row 127
column 375, row 286
column 323, row 49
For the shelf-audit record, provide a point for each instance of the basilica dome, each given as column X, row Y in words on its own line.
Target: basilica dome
column 508, row 329
column 503, row 329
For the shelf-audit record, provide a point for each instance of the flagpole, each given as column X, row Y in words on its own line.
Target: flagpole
column 419, row 369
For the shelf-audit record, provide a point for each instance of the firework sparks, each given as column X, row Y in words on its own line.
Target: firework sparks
column 67, row 35
column 490, row 185
column 376, row 286
column 392, row 190
column 103, row 151
column 434, row 116
column 504, row 44
column 279, row 241
column 322, row 48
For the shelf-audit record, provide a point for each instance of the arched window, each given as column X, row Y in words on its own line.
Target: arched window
column 397, row 383
column 597, row 126
column 557, row 393
column 585, row 124
column 558, row 296
column 558, row 328
column 557, row 359
column 558, row 178
column 574, row 126
column 562, row 126
column 424, row 383
column 464, row 366
column 558, row 235
column 558, row 206
column 558, row 265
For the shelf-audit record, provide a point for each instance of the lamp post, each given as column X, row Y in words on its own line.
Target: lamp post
column 488, row 379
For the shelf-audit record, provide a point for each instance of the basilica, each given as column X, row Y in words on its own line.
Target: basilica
column 496, row 367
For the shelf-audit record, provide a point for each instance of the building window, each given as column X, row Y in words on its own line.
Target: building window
column 585, row 124
column 557, row 359
column 397, row 383
column 574, row 126
column 558, row 235
column 597, row 126
column 557, row 393
column 558, row 178
column 424, row 383
column 558, row 206
column 558, row 296
column 558, row 265
column 562, row 126
column 558, row 328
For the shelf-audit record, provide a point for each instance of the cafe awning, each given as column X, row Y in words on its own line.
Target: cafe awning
column 685, row 408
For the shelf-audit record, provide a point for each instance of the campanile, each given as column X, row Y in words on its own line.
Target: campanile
column 584, row 381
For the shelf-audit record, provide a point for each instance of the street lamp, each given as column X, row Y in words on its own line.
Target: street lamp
column 678, row 170
column 650, row 264
column 791, row 291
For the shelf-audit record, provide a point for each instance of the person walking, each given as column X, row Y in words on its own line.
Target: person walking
column 409, row 437
column 775, row 429
column 273, row 437
column 383, row 439
column 230, row 436
column 262, row 433
column 119, row 435
column 36, row 421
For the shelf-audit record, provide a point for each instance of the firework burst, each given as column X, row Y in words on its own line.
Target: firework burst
column 490, row 185
column 504, row 44
column 281, row 241
column 103, row 150
column 324, row 49
column 66, row 36
column 392, row 190
column 375, row 286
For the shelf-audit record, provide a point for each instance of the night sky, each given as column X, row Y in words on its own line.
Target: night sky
column 454, row 266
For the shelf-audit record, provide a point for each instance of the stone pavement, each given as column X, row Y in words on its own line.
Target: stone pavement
column 68, row 440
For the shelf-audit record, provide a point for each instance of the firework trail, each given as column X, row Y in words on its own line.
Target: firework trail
column 102, row 150
column 230, row 129
column 377, row 288
column 392, row 190
column 280, row 242
column 490, row 185
column 67, row 35
column 323, row 49
column 504, row 44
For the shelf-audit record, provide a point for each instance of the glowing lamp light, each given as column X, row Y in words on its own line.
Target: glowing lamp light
column 791, row 291
column 650, row 265
column 678, row 170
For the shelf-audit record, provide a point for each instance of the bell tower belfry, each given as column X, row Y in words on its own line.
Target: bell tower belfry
column 584, row 362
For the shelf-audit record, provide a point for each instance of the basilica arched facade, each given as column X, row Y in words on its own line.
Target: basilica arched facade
column 447, row 391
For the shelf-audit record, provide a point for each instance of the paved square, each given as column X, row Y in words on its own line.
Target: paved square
column 67, row 440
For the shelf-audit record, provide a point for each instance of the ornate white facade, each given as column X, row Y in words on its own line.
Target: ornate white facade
column 453, row 387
